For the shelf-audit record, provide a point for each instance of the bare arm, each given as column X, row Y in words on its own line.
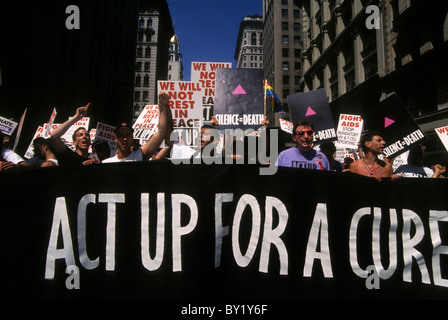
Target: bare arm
column 165, row 126
column 59, row 131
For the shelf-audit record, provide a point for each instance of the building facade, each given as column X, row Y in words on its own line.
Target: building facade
column 175, row 66
column 154, row 32
column 249, row 45
column 48, row 65
column 359, row 60
column 282, row 51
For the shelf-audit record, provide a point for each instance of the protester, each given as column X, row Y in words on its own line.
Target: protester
column 303, row 155
column 372, row 145
column 48, row 154
column 415, row 167
column 124, row 136
column 80, row 138
column 4, row 164
column 36, row 160
column 346, row 164
column 101, row 149
column 8, row 155
column 329, row 150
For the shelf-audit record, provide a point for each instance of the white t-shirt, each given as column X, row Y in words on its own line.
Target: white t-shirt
column 134, row 156
column 11, row 156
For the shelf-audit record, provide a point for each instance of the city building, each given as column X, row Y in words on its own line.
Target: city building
column 175, row 66
column 154, row 31
column 46, row 64
column 249, row 44
column 362, row 51
column 282, row 51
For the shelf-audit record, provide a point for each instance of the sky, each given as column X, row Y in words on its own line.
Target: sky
column 208, row 29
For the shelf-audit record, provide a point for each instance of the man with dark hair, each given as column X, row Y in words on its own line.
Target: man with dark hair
column 81, row 140
column 47, row 154
column 124, row 136
column 372, row 144
column 415, row 168
column 303, row 155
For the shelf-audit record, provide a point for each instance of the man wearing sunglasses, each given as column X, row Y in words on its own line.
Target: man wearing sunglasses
column 303, row 155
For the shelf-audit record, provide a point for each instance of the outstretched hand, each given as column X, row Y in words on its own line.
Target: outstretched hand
column 82, row 111
column 163, row 99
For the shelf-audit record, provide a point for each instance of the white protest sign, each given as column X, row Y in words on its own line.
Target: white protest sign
column 442, row 132
column 146, row 124
column 204, row 73
column 48, row 130
column 286, row 126
column 107, row 133
column 349, row 130
column 185, row 102
column 50, row 122
column 30, row 151
column 7, row 126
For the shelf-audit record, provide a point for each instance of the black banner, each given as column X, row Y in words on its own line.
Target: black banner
column 156, row 230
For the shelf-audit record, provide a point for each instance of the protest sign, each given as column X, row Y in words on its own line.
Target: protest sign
column 442, row 132
column 19, row 130
column 7, row 126
column 205, row 74
column 349, row 130
column 286, row 126
column 155, row 230
column 107, row 133
column 399, row 129
column 30, row 151
column 50, row 123
column 146, row 124
column 313, row 107
column 186, row 106
column 239, row 98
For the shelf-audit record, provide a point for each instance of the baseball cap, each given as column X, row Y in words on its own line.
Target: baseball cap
column 123, row 125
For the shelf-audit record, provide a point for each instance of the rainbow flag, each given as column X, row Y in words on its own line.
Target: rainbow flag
column 276, row 103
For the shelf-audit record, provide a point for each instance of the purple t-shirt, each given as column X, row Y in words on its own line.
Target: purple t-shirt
column 295, row 158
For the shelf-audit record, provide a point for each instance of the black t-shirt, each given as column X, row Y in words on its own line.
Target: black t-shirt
column 70, row 158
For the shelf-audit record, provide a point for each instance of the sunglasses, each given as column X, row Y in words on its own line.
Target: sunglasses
column 301, row 133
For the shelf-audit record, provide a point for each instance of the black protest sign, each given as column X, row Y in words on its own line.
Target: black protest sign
column 239, row 98
column 313, row 107
column 399, row 129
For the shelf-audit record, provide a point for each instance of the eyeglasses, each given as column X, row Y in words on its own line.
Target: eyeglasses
column 301, row 133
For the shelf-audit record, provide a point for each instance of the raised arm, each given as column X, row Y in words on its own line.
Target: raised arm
column 165, row 126
column 58, row 144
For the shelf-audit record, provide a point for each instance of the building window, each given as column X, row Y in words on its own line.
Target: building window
column 146, row 81
column 285, row 26
column 145, row 96
column 149, row 24
column 285, row 66
column 296, row 40
column 147, row 66
column 253, row 39
column 148, row 52
column 285, row 2
column 296, row 27
column 285, row 52
column 285, row 79
column 285, row 40
column 137, row 96
column 141, row 24
column 139, row 52
column 285, row 13
column 138, row 80
column 296, row 14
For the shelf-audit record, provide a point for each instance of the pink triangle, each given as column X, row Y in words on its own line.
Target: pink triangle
column 239, row 90
column 388, row 122
column 310, row 112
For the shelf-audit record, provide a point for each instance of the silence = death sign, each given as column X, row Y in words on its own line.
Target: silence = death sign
column 239, row 98
column 313, row 107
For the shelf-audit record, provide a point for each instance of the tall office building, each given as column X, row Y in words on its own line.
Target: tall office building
column 46, row 64
column 175, row 66
column 155, row 29
column 282, row 50
column 249, row 44
column 359, row 63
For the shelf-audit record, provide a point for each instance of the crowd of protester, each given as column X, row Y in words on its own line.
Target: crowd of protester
column 53, row 151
